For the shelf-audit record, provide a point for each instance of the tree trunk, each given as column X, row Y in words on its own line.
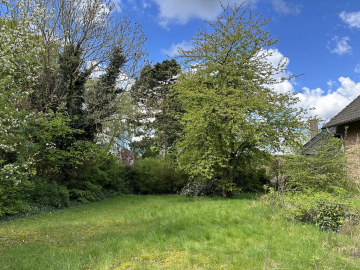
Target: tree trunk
column 225, row 180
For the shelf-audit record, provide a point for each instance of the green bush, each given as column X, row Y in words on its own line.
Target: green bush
column 209, row 187
column 326, row 210
column 251, row 181
column 322, row 171
column 100, row 175
column 48, row 193
column 14, row 189
column 157, row 176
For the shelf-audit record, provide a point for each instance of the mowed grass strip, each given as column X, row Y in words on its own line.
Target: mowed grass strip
column 168, row 232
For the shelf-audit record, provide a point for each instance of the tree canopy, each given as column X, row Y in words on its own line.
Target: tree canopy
column 231, row 108
column 153, row 94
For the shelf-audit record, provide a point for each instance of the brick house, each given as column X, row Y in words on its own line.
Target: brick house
column 345, row 125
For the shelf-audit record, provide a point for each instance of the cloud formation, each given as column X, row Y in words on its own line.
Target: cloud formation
column 351, row 18
column 357, row 68
column 331, row 83
column 328, row 105
column 274, row 59
column 341, row 46
column 180, row 12
column 173, row 50
column 282, row 6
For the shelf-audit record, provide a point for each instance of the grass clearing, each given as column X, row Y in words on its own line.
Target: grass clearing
column 170, row 232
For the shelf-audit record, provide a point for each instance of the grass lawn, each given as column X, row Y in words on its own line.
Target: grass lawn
column 169, row 232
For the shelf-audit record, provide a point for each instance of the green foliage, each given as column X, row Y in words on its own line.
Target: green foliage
column 47, row 127
column 103, row 93
column 153, row 93
column 251, row 180
column 325, row 210
column 58, row 155
column 208, row 187
column 48, row 193
column 231, row 108
column 98, row 175
column 14, row 189
column 322, row 171
column 106, row 173
column 158, row 176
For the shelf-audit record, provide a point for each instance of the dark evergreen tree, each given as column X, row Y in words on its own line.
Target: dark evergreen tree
column 156, row 120
column 72, row 85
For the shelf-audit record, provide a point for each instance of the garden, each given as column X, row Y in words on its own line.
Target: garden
column 109, row 161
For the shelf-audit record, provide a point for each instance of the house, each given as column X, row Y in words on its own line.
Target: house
column 345, row 125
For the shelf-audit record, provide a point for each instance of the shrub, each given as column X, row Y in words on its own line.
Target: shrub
column 322, row 171
column 14, row 189
column 328, row 211
column 98, row 176
column 209, row 187
column 158, row 176
column 47, row 193
column 251, row 181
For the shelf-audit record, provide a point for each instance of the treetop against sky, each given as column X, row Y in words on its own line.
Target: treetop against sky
column 320, row 38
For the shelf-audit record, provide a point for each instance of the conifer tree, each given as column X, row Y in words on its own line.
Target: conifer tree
column 153, row 93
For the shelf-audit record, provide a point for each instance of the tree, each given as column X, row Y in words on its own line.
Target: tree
column 152, row 93
column 231, row 108
column 49, row 50
column 85, row 33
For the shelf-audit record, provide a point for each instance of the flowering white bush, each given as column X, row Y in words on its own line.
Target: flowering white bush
column 14, row 188
column 19, row 69
column 19, row 50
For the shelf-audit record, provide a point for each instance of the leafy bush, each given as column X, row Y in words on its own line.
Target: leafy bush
column 102, row 174
column 325, row 210
column 157, row 176
column 322, row 171
column 48, row 193
column 14, row 189
column 115, row 173
column 251, row 181
column 209, row 187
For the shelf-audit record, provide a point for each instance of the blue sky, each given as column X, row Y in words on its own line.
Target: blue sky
column 321, row 38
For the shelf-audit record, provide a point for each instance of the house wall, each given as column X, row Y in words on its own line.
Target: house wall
column 353, row 131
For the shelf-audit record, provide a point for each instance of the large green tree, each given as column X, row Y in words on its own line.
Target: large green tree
column 231, row 107
column 153, row 94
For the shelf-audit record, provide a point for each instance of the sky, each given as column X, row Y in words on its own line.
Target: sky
column 321, row 39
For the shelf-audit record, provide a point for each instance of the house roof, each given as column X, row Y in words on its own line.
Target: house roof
column 349, row 114
column 309, row 143
column 315, row 141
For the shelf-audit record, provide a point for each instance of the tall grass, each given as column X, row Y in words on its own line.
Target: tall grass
column 168, row 232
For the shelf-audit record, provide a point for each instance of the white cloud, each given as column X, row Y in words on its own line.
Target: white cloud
column 180, row 12
column 274, row 59
column 173, row 50
column 286, row 8
column 357, row 68
column 351, row 18
column 330, row 83
column 341, row 47
column 145, row 4
column 328, row 105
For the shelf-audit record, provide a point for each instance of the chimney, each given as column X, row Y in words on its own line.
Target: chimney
column 313, row 127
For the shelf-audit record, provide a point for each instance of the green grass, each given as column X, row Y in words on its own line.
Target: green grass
column 169, row 232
